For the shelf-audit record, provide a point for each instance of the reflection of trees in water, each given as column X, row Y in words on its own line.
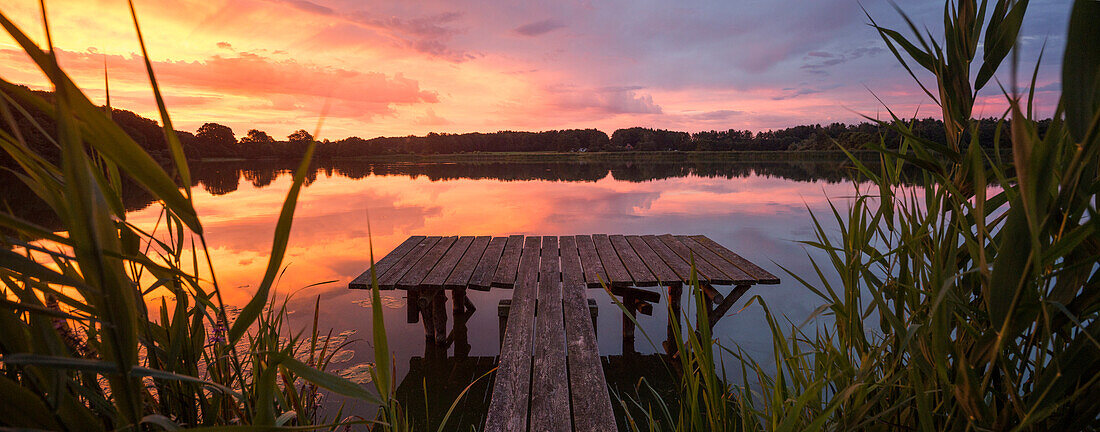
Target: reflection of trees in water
column 260, row 177
column 219, row 178
column 592, row 171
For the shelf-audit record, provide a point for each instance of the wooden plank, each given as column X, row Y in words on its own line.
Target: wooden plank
column 736, row 275
column 571, row 270
column 638, row 271
column 664, row 274
column 761, row 275
column 505, row 276
column 389, row 279
column 380, row 266
column 670, row 257
column 616, row 271
column 587, row 385
column 702, row 267
column 549, row 382
column 482, row 278
column 460, row 277
column 447, row 263
column 590, row 261
column 420, row 270
column 512, row 385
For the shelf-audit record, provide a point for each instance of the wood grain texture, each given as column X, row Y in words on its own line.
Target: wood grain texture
column 482, row 278
column 391, row 276
column 702, row 267
column 735, row 274
column 363, row 280
column 639, row 272
column 762, row 276
column 549, row 382
column 592, row 409
column 447, row 263
column 616, row 271
column 505, row 276
column 670, row 257
column 460, row 276
column 664, row 274
column 425, row 264
column 590, row 262
column 512, row 386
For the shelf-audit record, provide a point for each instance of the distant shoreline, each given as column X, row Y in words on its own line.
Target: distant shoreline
column 639, row 156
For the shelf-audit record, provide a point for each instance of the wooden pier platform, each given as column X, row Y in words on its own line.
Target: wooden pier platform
column 549, row 376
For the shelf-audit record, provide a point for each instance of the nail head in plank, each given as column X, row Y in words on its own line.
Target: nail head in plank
column 446, row 265
column 641, row 274
column 590, row 261
column 702, row 267
column 592, row 409
column 512, row 384
column 549, row 382
column 670, row 257
column 736, row 275
column 420, row 270
column 380, row 266
column 482, row 278
column 505, row 276
column 664, row 274
column 761, row 275
column 616, row 271
column 389, row 279
column 460, row 277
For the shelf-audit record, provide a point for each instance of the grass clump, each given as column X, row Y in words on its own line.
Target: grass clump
column 968, row 302
column 79, row 349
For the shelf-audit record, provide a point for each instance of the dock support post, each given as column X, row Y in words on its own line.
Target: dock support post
column 629, row 315
column 412, row 306
column 439, row 316
column 675, row 292
column 433, row 309
column 502, row 314
column 595, row 312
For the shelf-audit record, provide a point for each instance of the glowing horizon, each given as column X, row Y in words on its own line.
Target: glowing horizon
column 395, row 69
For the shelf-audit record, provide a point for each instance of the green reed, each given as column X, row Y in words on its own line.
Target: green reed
column 968, row 302
column 78, row 348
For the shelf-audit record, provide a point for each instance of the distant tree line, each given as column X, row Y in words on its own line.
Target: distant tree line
column 213, row 140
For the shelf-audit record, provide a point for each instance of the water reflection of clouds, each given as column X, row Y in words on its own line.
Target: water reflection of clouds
column 758, row 216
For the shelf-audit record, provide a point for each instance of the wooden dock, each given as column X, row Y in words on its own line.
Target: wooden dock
column 549, row 376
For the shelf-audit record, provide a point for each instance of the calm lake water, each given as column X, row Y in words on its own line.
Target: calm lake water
column 758, row 210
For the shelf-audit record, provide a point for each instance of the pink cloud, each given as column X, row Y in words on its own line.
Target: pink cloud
column 283, row 84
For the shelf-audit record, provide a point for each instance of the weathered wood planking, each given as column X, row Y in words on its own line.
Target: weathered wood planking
column 762, row 276
column 420, row 270
column 670, row 258
column 363, row 280
column 593, row 268
column 641, row 274
column 664, row 274
column 616, row 271
column 702, row 267
column 460, row 277
column 736, row 275
column 390, row 278
column 592, row 410
column 549, row 383
column 505, row 276
column 482, row 278
column 512, row 386
column 447, row 263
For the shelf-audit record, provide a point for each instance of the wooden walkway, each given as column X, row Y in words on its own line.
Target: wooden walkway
column 549, row 376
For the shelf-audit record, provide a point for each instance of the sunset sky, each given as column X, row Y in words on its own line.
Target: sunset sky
column 410, row 67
